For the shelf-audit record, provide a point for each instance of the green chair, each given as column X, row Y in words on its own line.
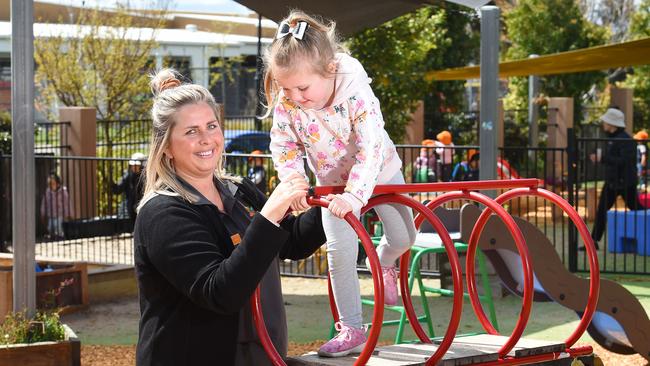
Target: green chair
column 427, row 243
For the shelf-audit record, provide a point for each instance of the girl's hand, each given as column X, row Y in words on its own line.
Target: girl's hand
column 288, row 191
column 339, row 207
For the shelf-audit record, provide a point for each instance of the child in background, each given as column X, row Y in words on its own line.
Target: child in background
column 55, row 206
column 256, row 171
column 323, row 107
column 467, row 170
column 425, row 165
column 641, row 156
column 444, row 149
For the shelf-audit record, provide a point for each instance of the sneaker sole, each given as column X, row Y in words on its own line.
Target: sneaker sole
column 356, row 349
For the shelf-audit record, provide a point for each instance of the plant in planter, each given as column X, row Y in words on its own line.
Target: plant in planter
column 39, row 340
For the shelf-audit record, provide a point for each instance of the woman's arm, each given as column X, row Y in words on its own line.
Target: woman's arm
column 306, row 234
column 181, row 246
column 306, row 230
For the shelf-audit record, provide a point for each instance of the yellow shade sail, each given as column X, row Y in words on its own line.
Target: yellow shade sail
column 587, row 59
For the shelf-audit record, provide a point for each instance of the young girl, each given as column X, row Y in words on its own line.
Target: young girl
column 323, row 107
column 55, row 206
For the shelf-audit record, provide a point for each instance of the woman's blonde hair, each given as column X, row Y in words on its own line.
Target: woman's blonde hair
column 170, row 94
column 319, row 46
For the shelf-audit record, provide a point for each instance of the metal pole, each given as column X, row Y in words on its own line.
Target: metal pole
column 489, row 93
column 258, row 74
column 533, row 112
column 22, row 150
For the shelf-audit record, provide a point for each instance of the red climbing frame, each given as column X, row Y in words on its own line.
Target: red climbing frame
column 456, row 190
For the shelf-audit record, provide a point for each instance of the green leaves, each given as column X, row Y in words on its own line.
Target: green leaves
column 545, row 27
column 103, row 65
column 397, row 54
column 17, row 328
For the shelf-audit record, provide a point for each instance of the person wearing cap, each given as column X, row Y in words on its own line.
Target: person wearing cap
column 256, row 171
column 131, row 185
column 641, row 155
column 620, row 171
column 444, row 149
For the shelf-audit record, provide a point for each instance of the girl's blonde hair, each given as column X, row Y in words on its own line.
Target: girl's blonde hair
column 170, row 94
column 318, row 46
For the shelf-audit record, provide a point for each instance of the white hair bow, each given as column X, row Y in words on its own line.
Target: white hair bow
column 297, row 32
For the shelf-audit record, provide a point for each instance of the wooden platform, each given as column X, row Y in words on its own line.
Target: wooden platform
column 464, row 351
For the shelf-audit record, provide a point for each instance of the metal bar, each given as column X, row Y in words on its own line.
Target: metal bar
column 22, row 150
column 437, row 187
column 489, row 93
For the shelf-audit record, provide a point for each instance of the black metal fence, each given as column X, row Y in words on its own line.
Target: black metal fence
column 624, row 235
column 98, row 222
column 81, row 217
column 51, row 138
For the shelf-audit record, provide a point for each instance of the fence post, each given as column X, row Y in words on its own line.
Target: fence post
column 572, row 187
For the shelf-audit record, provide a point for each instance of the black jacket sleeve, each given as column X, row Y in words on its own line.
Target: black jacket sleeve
column 181, row 246
column 306, row 230
column 307, row 234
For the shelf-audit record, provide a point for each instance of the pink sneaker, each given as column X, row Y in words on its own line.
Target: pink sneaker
column 349, row 340
column 389, row 275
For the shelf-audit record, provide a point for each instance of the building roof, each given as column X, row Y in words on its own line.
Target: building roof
column 162, row 36
column 236, row 24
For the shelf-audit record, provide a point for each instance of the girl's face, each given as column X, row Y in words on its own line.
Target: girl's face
column 196, row 141
column 305, row 87
column 52, row 183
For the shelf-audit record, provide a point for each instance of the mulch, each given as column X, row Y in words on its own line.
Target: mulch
column 92, row 355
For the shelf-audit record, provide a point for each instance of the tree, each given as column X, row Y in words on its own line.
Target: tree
column 445, row 102
column 640, row 80
column 102, row 64
column 612, row 14
column 395, row 56
column 545, row 27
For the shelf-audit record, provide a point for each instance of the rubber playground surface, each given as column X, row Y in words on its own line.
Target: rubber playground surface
column 108, row 332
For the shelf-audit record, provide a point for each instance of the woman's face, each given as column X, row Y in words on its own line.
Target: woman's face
column 196, row 141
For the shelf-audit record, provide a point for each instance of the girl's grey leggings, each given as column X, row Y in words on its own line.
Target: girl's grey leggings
column 342, row 251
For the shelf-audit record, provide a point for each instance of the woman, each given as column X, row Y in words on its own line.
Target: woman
column 199, row 254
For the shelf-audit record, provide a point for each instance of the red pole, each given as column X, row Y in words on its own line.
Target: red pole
column 492, row 206
column 404, row 266
column 594, row 270
column 260, row 326
column 435, row 187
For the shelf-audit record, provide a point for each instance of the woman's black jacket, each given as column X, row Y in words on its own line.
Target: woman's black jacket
column 194, row 277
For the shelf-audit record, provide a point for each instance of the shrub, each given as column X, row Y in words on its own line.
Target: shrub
column 18, row 328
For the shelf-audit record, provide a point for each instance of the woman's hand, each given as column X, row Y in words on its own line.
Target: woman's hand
column 292, row 189
column 339, row 207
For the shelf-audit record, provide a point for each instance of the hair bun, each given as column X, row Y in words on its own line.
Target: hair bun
column 169, row 83
column 163, row 80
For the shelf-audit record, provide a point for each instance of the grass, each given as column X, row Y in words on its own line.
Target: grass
column 309, row 317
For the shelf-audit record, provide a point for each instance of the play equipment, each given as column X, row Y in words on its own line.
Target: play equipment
column 471, row 350
column 505, row 170
column 620, row 323
column 429, row 242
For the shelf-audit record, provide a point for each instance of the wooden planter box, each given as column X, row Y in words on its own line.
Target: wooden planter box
column 71, row 298
column 63, row 353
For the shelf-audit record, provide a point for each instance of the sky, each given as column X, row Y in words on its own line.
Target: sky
column 212, row 6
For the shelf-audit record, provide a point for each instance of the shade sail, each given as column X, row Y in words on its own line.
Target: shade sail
column 350, row 15
column 630, row 53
